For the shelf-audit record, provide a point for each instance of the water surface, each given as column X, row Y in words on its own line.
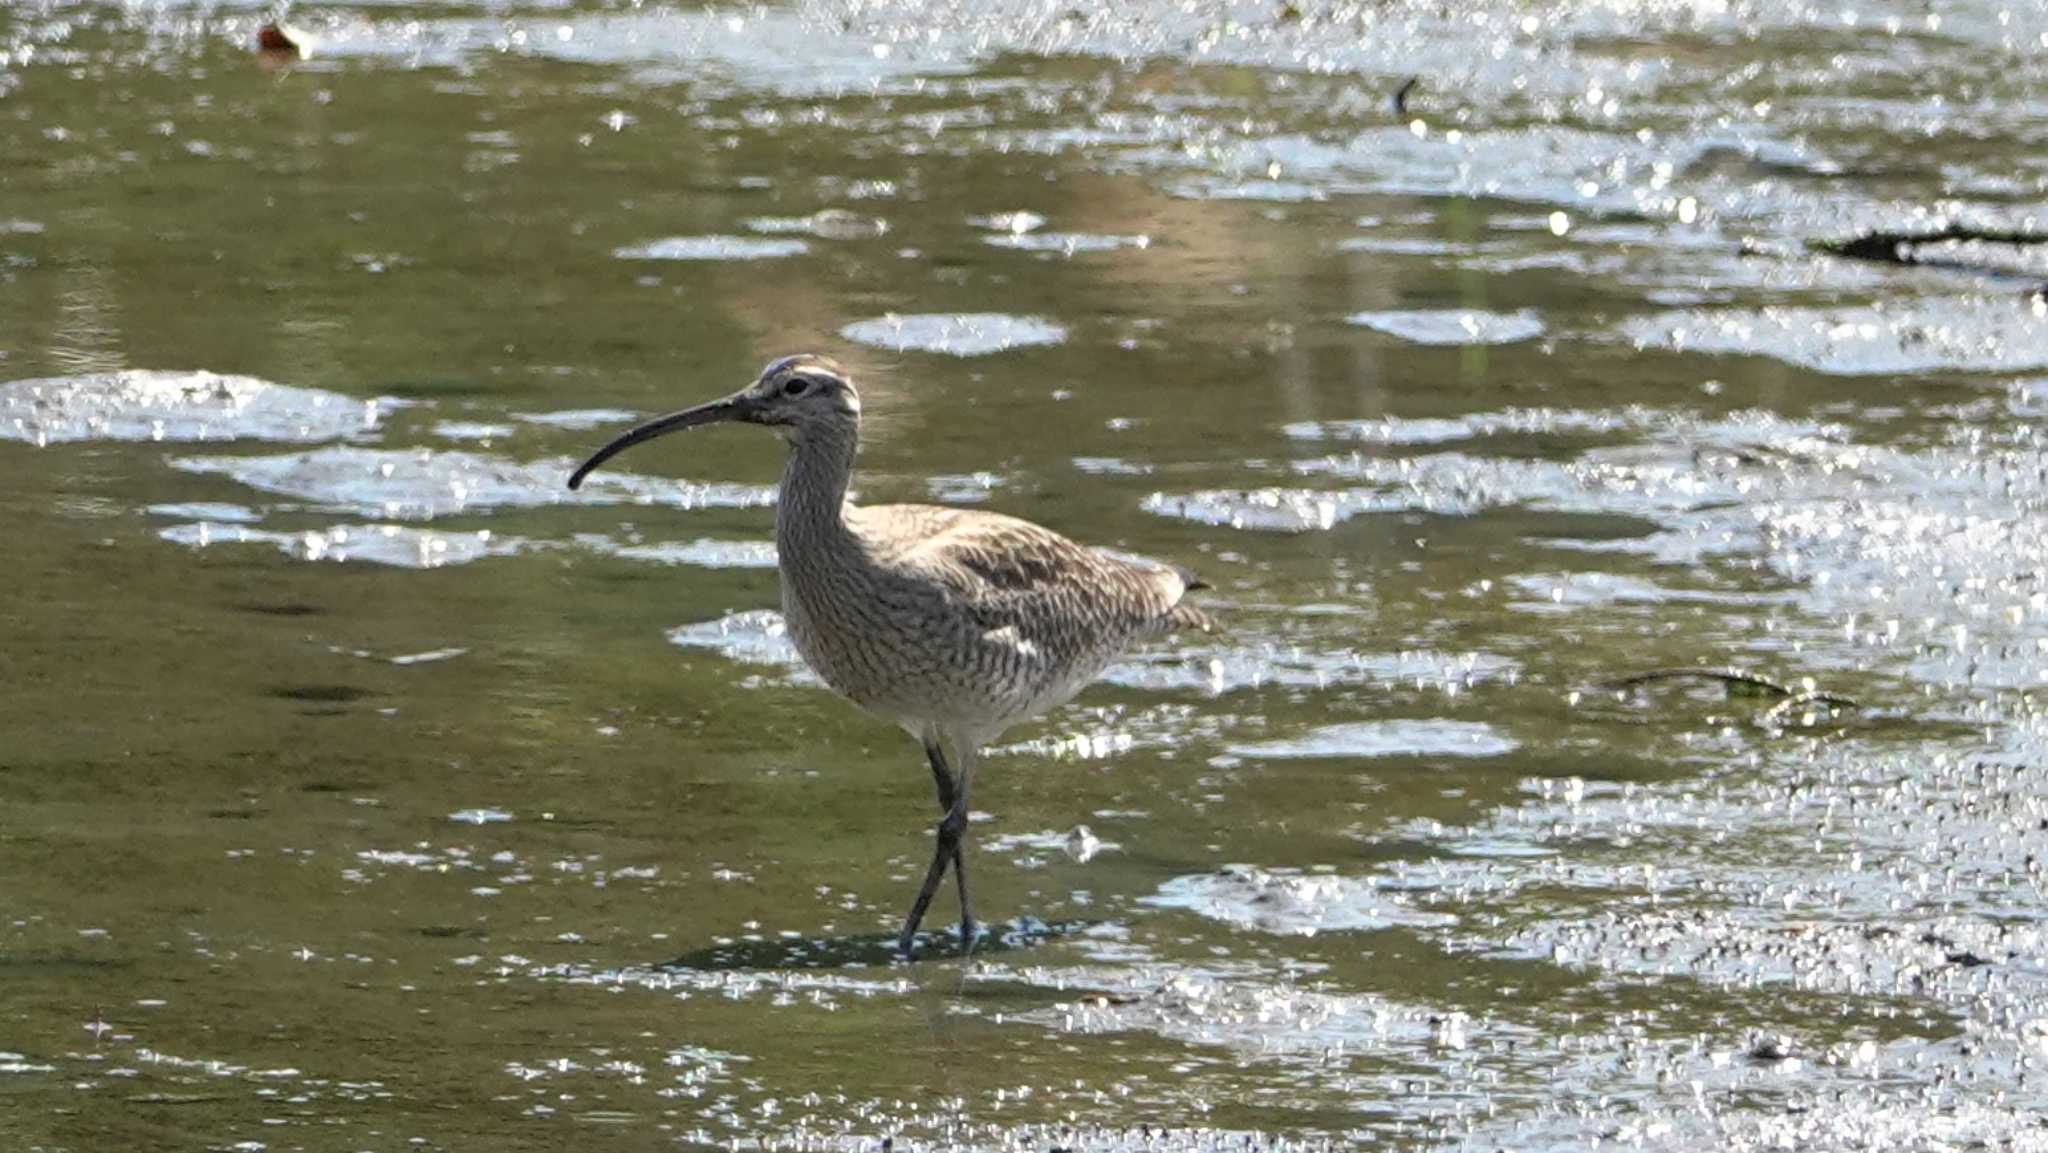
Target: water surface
column 362, row 788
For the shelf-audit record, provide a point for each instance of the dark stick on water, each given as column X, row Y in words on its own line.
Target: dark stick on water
column 1401, row 95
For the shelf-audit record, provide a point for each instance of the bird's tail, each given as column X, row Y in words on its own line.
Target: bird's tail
column 1187, row 616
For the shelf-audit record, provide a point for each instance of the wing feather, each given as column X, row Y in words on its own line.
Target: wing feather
column 1011, row 572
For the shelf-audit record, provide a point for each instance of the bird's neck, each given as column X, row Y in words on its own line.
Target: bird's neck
column 811, row 508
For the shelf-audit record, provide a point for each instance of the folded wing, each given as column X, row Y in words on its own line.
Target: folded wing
column 1010, row 573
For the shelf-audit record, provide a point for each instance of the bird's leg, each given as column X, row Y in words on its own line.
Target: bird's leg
column 943, row 778
column 948, row 844
column 952, row 828
column 941, row 775
column 965, row 754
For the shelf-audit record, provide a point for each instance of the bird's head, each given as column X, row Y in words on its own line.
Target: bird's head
column 801, row 397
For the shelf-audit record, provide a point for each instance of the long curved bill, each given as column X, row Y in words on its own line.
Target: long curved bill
column 729, row 408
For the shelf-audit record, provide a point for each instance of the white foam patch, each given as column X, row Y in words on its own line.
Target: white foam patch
column 1099, row 732
column 1275, row 509
column 1404, row 246
column 754, row 48
column 148, row 405
column 760, row 637
column 1396, row 430
column 962, row 488
column 1923, row 334
column 399, row 546
column 420, row 484
column 578, row 419
column 1390, row 738
column 1016, row 222
column 1659, row 478
column 1568, row 592
column 828, row 224
column 479, row 816
column 1111, row 466
column 465, row 430
column 1066, row 243
column 1577, row 168
column 1234, row 1008
column 955, row 333
column 1453, row 326
column 1242, row 664
column 714, row 248
column 756, row 636
column 704, row 552
column 207, row 510
column 1292, row 903
column 1079, row 844
column 1213, row 187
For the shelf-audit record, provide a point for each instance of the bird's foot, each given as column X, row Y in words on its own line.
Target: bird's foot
column 970, row 935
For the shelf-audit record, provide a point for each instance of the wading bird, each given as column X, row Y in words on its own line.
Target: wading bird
column 953, row 624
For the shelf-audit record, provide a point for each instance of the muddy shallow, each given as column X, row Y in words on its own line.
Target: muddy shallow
column 362, row 788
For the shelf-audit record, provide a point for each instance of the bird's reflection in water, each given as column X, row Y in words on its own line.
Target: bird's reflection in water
column 876, row 950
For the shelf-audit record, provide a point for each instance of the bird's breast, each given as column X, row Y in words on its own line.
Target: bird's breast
column 852, row 638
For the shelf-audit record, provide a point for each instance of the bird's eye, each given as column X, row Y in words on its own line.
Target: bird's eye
column 796, row 386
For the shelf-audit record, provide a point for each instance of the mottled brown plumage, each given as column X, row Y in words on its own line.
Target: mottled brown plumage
column 953, row 623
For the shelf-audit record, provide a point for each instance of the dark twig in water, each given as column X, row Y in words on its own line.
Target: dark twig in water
column 1725, row 676
column 1900, row 248
column 1401, row 95
column 1737, row 678
column 1784, row 708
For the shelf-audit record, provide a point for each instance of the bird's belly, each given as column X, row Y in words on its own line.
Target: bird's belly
column 875, row 666
column 942, row 672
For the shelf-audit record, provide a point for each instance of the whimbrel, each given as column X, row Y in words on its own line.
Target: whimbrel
column 953, row 624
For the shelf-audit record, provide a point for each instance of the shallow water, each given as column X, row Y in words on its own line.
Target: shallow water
column 363, row 788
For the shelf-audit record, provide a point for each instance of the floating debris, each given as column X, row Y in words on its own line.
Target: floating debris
column 1402, row 93
column 1943, row 247
column 284, row 40
column 1736, row 680
column 1772, row 1047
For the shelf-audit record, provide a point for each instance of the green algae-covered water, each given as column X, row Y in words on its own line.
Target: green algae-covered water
column 361, row 788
